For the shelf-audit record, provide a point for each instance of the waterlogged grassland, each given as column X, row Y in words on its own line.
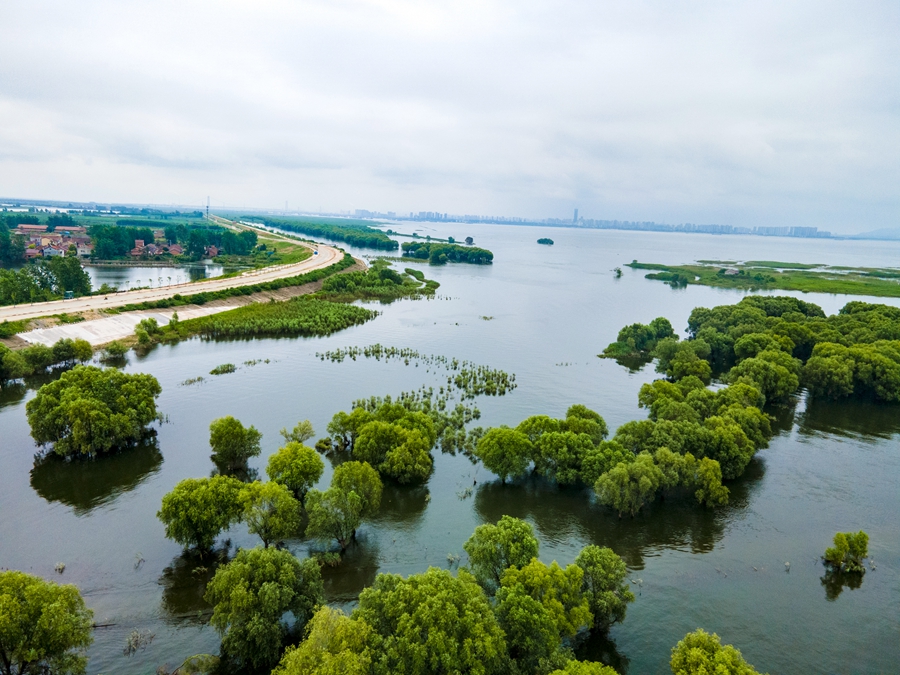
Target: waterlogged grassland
column 466, row 377
column 303, row 316
column 772, row 275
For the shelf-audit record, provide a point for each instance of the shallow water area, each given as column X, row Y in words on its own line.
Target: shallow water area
column 543, row 313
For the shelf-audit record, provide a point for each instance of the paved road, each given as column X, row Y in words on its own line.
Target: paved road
column 326, row 256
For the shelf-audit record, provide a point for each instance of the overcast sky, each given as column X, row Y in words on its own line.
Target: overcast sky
column 750, row 113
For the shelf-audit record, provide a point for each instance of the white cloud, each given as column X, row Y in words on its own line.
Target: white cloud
column 745, row 113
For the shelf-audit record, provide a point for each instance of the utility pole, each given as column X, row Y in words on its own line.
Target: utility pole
column 207, row 207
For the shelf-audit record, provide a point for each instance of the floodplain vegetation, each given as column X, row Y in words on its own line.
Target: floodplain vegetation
column 545, row 241
column 440, row 254
column 780, row 276
column 355, row 233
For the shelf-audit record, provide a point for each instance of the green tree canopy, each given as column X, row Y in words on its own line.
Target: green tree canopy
column 848, row 552
column 250, row 597
column 494, row 548
column 335, row 644
column 270, row 511
column 197, row 510
column 431, row 623
column 336, row 513
column 604, row 584
column 532, row 637
column 505, row 452
column 627, row 487
column 295, row 466
column 89, row 410
column 44, row 627
column 301, row 432
column 700, row 653
column 233, row 444
column 558, row 590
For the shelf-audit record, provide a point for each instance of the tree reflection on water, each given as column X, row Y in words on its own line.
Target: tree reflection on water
column 85, row 484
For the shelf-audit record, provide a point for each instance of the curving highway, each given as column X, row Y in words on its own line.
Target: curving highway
column 323, row 256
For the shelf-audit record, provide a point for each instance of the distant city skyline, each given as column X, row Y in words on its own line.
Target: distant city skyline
column 748, row 114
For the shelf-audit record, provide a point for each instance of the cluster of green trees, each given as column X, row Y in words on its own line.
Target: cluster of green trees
column 685, row 446
column 38, row 358
column 91, row 410
column 507, row 613
column 355, row 234
column 430, row 622
column 116, row 241
column 378, row 282
column 848, row 552
column 12, row 246
column 439, row 254
column 45, row 279
column 778, row 344
column 546, row 241
column 639, row 339
column 400, row 433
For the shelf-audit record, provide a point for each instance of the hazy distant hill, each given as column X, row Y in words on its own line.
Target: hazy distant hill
column 885, row 233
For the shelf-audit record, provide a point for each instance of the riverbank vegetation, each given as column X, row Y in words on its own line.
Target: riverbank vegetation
column 545, row 241
column 780, row 344
column 771, row 275
column 43, row 280
column 91, row 410
column 439, row 254
column 36, row 359
column 353, row 232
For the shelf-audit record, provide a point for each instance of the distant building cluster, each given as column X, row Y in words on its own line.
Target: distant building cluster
column 39, row 243
column 433, row 216
column 159, row 246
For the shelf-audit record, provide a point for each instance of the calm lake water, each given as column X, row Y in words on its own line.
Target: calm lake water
column 124, row 277
column 831, row 467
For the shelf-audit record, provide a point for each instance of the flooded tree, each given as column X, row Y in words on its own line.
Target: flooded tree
column 44, row 627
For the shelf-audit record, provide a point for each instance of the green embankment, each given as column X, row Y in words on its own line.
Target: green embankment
column 781, row 276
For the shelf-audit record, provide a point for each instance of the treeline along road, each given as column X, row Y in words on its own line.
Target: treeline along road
column 326, row 256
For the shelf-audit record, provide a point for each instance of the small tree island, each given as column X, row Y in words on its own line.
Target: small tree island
column 545, row 241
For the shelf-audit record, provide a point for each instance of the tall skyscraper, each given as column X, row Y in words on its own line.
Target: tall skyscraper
column 575, row 219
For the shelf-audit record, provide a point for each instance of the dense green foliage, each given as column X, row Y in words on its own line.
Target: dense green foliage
column 116, row 241
column 37, row 358
column 299, row 316
column 351, row 232
column 233, row 444
column 45, row 279
column 545, row 241
column 518, row 616
column 198, row 510
column 252, row 594
column 296, row 467
column 89, row 410
column 639, row 339
column 700, row 653
column 603, row 585
column 337, row 512
column 335, row 644
column 848, row 552
column 506, row 452
column 270, row 511
column 431, row 623
column 12, row 246
column 379, row 282
column 44, row 627
column 439, row 254
column 493, row 549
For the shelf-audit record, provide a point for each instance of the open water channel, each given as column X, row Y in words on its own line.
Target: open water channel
column 831, row 466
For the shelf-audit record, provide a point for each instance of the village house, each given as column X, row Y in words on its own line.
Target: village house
column 28, row 230
column 212, row 251
column 32, row 253
column 175, row 249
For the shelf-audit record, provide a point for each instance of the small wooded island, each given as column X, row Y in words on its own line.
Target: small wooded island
column 545, row 241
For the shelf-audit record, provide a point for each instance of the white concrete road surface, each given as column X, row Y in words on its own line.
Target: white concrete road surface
column 107, row 329
column 326, row 256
